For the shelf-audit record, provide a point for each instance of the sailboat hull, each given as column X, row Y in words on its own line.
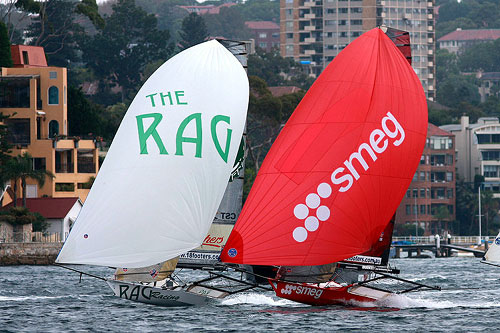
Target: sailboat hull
column 326, row 294
column 178, row 296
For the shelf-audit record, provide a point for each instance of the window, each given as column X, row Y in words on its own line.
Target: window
column 343, row 10
column 356, row 10
column 449, row 176
column 331, row 11
column 408, row 209
column 490, row 171
column 289, row 35
column 19, row 131
column 263, row 35
column 408, row 194
column 422, row 209
column 263, row 45
column 53, row 75
column 415, row 193
column 356, row 22
column 26, row 59
column 65, row 187
column 422, row 192
column 449, row 193
column 39, row 163
column 422, row 175
column 53, row 128
column 14, row 93
column 53, row 95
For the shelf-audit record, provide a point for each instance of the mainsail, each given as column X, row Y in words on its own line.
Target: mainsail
column 341, row 165
column 166, row 171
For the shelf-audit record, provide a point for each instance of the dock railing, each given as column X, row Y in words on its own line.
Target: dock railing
column 454, row 239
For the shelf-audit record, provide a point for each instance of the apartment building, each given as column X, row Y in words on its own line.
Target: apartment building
column 478, row 150
column 35, row 97
column 313, row 32
column 431, row 197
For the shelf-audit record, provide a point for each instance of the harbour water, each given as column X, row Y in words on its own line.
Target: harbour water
column 51, row 299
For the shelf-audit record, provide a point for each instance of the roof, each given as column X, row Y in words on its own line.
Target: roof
column 490, row 76
column 207, row 9
column 283, row 90
column 35, row 56
column 472, row 34
column 50, row 208
column 262, row 25
column 433, row 130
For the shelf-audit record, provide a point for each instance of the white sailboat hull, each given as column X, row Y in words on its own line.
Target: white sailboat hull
column 150, row 294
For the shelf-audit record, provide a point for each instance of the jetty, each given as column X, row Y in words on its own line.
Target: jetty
column 441, row 247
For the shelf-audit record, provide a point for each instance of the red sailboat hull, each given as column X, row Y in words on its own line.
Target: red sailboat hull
column 327, row 294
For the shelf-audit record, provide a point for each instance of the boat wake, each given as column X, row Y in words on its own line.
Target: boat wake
column 405, row 302
column 256, row 299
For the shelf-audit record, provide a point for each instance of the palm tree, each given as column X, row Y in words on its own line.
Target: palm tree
column 21, row 168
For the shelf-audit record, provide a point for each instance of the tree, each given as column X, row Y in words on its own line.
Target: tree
column 119, row 52
column 21, row 168
column 84, row 116
column 56, row 29
column 5, row 55
column 193, row 31
column 260, row 10
column 228, row 23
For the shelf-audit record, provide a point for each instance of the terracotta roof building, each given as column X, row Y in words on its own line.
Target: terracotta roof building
column 207, row 9
column 265, row 33
column 459, row 40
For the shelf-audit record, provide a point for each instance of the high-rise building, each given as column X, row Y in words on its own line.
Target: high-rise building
column 313, row 32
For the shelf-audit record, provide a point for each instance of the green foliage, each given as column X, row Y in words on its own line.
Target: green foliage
column 229, row 23
column 5, row 55
column 407, row 229
column 118, row 53
column 21, row 168
column 276, row 70
column 17, row 216
column 39, row 224
column 467, row 14
column 90, row 9
column 484, row 56
column 457, row 89
column 260, row 10
column 193, row 31
column 84, row 116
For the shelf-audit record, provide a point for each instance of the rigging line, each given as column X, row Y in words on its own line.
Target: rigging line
column 81, row 272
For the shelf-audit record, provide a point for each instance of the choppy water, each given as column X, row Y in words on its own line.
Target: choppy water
column 51, row 299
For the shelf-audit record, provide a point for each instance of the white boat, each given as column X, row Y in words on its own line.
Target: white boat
column 164, row 178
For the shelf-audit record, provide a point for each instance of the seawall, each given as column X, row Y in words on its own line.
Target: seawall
column 28, row 253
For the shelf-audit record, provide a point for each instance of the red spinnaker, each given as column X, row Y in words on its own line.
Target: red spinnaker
column 338, row 170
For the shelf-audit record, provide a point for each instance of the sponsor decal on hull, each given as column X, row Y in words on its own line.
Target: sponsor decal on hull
column 302, row 290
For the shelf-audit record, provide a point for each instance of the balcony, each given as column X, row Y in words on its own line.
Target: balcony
column 309, row 52
column 310, row 16
column 310, row 28
column 310, row 40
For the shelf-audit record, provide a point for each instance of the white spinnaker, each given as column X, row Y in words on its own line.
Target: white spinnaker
column 493, row 253
column 147, row 208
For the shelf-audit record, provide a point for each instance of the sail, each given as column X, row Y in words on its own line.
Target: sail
column 166, row 171
column 339, row 168
column 493, row 253
column 151, row 273
column 208, row 254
